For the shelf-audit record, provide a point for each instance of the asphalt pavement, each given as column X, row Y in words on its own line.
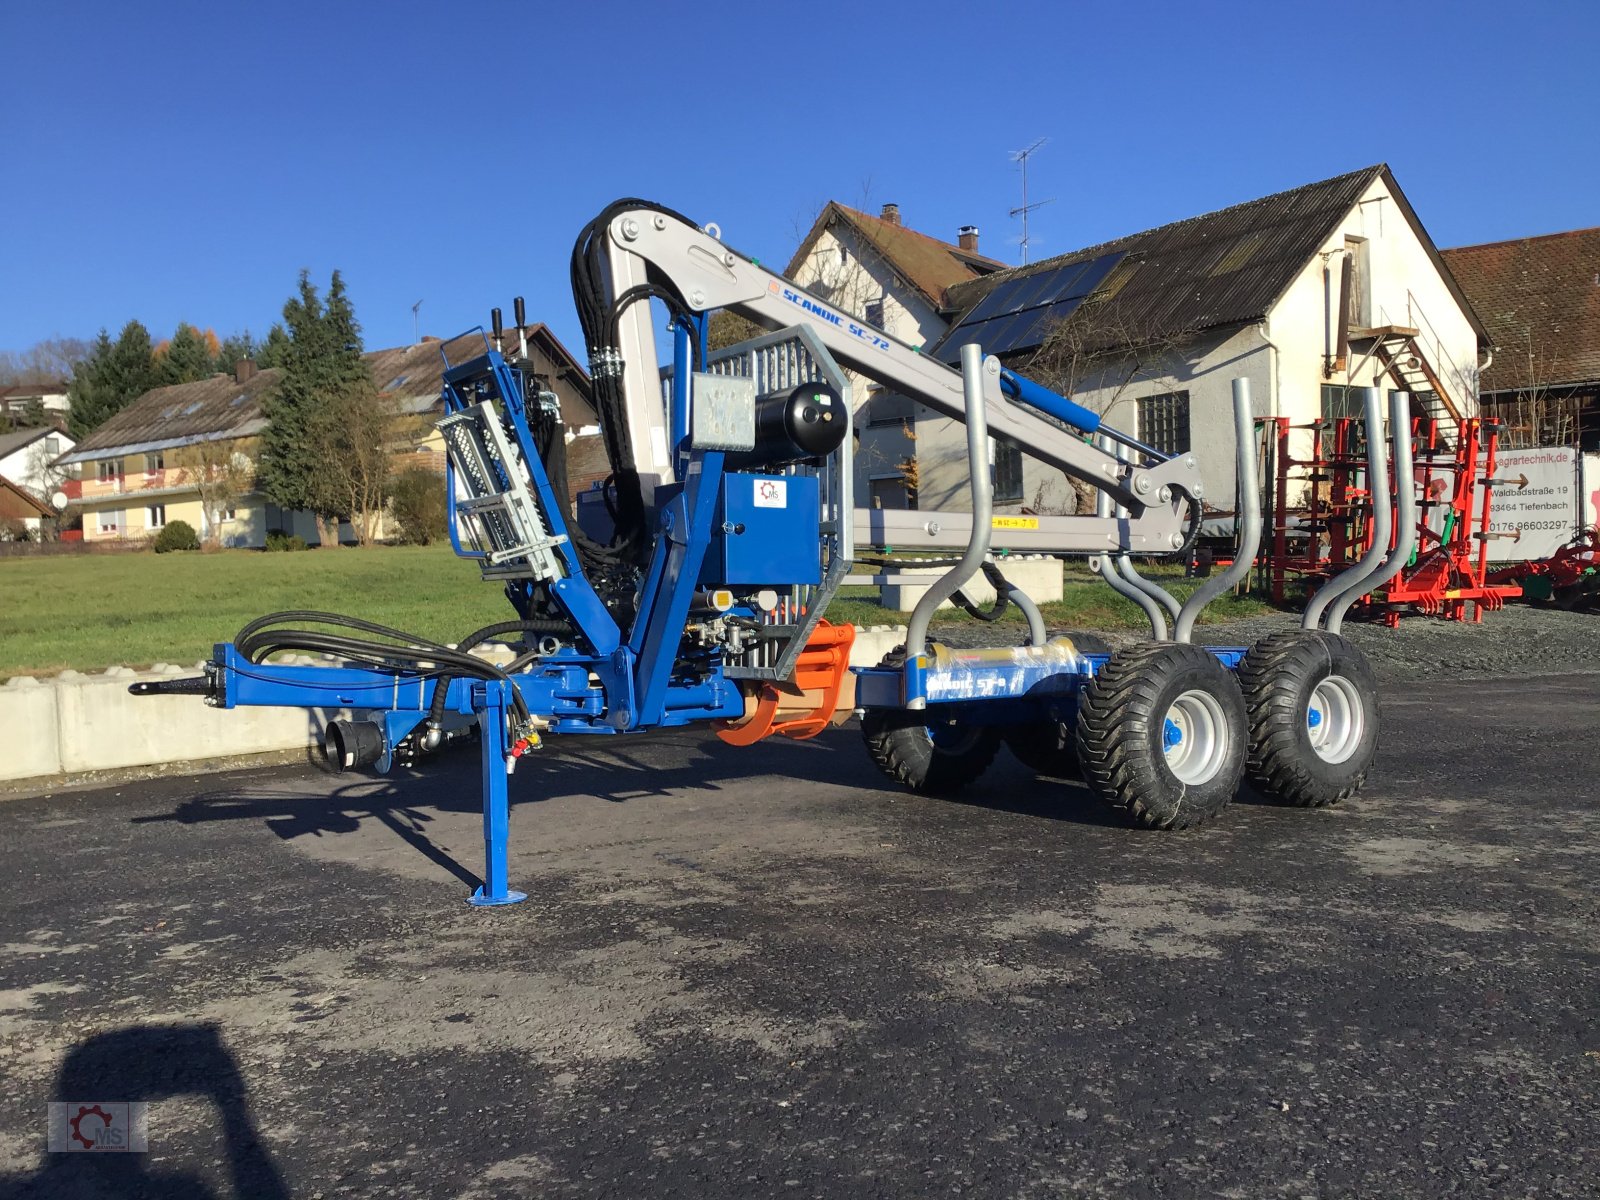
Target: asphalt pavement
column 747, row 973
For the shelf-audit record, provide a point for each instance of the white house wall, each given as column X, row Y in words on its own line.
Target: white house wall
column 849, row 280
column 1283, row 358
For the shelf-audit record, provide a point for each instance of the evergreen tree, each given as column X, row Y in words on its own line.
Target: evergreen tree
column 273, row 351
column 110, row 378
column 234, row 348
column 187, row 357
column 322, row 400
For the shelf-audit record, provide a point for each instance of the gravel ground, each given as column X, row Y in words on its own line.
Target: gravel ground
column 1518, row 640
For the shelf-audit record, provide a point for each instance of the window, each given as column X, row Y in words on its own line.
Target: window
column 1007, row 471
column 887, row 409
column 155, row 516
column 1164, row 422
column 52, row 445
column 154, row 462
column 107, row 469
column 230, row 513
column 109, row 522
column 890, row 491
column 874, row 313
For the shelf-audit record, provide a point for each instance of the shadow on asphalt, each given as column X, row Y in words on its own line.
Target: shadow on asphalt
column 151, row 1063
column 616, row 772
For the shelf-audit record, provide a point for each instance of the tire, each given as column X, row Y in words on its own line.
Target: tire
column 1161, row 734
column 935, row 761
column 1312, row 704
column 1051, row 747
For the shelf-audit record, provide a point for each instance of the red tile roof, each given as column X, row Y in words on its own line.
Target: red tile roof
column 1540, row 298
column 929, row 265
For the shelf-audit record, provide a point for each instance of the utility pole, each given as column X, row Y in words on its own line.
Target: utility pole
column 1022, row 156
column 416, row 333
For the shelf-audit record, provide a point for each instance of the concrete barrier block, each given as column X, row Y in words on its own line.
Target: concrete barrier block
column 28, row 716
column 1040, row 576
column 872, row 644
column 100, row 725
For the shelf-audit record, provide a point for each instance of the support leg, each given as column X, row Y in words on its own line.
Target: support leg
column 496, row 811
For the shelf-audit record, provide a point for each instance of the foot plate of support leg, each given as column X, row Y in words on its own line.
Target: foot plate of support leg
column 479, row 900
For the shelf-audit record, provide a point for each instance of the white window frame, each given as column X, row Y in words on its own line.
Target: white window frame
column 159, row 463
column 151, row 514
column 107, row 469
column 110, row 521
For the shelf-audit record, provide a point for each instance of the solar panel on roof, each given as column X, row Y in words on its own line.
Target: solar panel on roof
column 1018, row 314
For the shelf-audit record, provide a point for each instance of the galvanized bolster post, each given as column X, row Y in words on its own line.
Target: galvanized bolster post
column 1125, row 568
column 973, row 371
column 1105, row 566
column 1353, row 582
column 1405, row 508
column 1249, row 519
column 495, row 890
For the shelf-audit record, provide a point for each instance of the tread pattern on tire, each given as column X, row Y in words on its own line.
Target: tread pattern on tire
column 1271, row 676
column 902, row 749
column 1120, row 720
column 1051, row 747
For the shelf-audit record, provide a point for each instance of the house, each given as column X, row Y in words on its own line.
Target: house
column 186, row 452
column 27, row 459
column 1308, row 293
column 897, row 280
column 1540, row 299
column 20, row 511
column 50, row 397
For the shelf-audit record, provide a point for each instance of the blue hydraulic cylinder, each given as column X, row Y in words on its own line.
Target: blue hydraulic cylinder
column 1035, row 395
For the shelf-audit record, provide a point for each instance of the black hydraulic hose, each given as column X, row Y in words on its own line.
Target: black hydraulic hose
column 258, row 642
column 479, row 636
column 1002, row 597
column 1196, row 515
column 327, row 618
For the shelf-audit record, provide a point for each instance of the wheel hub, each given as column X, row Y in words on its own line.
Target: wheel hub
column 1194, row 738
column 1335, row 719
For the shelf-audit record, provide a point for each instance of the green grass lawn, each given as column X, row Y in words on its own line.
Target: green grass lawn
column 99, row 610
column 88, row 612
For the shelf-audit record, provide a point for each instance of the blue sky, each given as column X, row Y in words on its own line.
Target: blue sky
column 183, row 161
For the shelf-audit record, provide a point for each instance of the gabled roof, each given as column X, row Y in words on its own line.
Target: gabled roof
column 11, row 442
column 17, row 501
column 1223, row 268
column 1539, row 296
column 926, row 263
column 220, row 407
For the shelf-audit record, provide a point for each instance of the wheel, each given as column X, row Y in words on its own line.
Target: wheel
column 936, row 759
column 1312, row 705
column 1051, row 747
column 1161, row 733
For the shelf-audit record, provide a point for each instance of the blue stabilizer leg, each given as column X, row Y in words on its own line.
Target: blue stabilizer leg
column 496, row 808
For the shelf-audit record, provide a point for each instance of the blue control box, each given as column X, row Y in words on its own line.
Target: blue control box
column 765, row 532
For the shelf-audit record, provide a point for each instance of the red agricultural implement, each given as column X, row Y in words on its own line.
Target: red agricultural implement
column 1321, row 515
column 1569, row 578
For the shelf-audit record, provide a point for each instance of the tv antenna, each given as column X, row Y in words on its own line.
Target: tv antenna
column 1022, row 156
column 416, row 336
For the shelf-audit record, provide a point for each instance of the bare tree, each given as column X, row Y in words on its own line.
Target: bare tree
column 1537, row 412
column 1098, row 355
column 45, row 362
column 220, row 471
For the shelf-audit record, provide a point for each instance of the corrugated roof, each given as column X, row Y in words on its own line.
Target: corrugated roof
column 1538, row 296
column 220, row 407
column 1223, row 268
column 929, row 265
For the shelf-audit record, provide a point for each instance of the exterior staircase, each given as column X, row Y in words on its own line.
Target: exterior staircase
column 1398, row 350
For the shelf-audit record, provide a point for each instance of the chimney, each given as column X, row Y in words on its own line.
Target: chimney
column 967, row 238
column 891, row 213
column 243, row 369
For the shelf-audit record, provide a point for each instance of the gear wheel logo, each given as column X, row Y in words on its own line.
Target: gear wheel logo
column 77, row 1124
